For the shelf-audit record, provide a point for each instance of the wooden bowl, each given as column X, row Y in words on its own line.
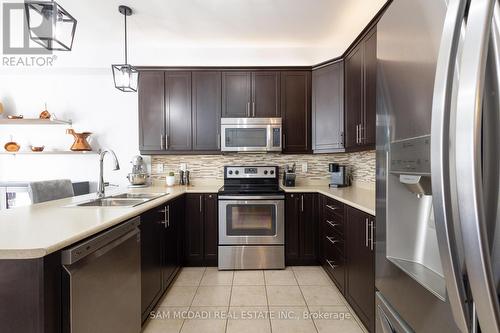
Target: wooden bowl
column 12, row 146
column 37, row 148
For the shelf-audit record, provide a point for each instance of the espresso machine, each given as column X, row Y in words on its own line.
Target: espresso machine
column 339, row 175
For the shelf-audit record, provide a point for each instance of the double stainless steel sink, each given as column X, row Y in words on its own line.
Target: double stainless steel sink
column 121, row 200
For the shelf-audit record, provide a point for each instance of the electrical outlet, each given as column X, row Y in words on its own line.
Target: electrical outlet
column 159, row 168
column 183, row 166
column 304, row 167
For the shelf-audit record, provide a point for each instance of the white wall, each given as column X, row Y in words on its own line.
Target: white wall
column 89, row 98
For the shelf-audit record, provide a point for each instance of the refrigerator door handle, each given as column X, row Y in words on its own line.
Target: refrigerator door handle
column 442, row 180
column 469, row 160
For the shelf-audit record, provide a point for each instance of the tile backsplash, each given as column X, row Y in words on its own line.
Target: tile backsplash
column 361, row 165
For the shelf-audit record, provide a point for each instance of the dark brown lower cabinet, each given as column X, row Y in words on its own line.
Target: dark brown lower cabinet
column 161, row 251
column 332, row 240
column 151, row 259
column 301, row 229
column 360, row 278
column 201, row 230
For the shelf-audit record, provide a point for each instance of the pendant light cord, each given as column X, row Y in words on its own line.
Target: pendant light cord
column 125, row 15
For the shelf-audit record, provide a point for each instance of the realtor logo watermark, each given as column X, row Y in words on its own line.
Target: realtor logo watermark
column 18, row 48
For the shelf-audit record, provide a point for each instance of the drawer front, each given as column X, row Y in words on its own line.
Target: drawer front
column 334, row 223
column 334, row 265
column 334, row 207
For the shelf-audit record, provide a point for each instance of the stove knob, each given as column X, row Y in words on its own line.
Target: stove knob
column 265, row 172
column 230, row 172
column 272, row 172
column 236, row 172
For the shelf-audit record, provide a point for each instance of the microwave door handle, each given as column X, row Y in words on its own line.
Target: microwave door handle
column 442, row 180
column 469, row 162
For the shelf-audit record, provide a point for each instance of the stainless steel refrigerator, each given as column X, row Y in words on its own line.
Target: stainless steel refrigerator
column 438, row 148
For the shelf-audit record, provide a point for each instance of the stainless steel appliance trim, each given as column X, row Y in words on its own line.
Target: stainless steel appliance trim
column 251, row 197
column 469, row 163
column 83, row 249
column 251, row 121
column 390, row 321
column 278, row 238
column 248, row 123
column 251, row 257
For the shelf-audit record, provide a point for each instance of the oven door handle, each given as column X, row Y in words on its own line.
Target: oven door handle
column 251, row 197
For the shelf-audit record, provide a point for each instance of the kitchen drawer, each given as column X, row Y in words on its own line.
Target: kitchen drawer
column 335, row 239
column 333, row 223
column 334, row 265
column 335, row 207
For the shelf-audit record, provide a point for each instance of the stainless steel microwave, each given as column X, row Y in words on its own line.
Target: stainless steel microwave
column 251, row 134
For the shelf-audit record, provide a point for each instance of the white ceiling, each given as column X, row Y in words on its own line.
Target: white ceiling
column 216, row 32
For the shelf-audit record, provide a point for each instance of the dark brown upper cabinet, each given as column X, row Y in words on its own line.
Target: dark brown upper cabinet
column 151, row 111
column 236, row 94
column 178, row 111
column 296, row 111
column 206, row 110
column 265, row 94
column 250, row 94
column 360, row 94
column 328, row 108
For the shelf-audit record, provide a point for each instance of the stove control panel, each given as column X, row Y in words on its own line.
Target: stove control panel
column 251, row 172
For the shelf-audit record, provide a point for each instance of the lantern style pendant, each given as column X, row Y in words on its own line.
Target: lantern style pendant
column 50, row 25
column 125, row 76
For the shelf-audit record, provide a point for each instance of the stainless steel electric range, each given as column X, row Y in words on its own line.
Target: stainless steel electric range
column 251, row 219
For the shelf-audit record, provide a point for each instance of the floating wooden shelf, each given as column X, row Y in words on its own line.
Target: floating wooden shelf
column 49, row 152
column 34, row 121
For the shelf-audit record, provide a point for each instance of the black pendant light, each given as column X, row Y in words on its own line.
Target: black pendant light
column 125, row 76
column 57, row 28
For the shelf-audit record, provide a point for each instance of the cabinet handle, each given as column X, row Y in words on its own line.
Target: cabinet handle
column 331, row 240
column 332, row 207
column 357, row 134
column 165, row 220
column 362, row 138
column 331, row 264
column 168, row 216
column 162, row 142
column 372, row 229
column 253, row 109
column 332, row 223
column 248, row 109
column 302, row 203
column 366, row 232
column 201, row 202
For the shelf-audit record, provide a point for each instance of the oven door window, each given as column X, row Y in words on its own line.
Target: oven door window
column 251, row 220
column 246, row 137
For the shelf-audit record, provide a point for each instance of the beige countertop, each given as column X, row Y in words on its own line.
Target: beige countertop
column 37, row 230
column 362, row 198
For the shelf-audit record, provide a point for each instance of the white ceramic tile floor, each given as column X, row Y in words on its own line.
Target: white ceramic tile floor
column 298, row 299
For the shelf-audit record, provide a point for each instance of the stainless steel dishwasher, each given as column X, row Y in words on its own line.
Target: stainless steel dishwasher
column 102, row 282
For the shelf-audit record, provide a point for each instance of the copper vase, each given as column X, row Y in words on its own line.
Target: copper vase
column 80, row 143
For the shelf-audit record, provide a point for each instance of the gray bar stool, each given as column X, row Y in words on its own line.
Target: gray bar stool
column 50, row 190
